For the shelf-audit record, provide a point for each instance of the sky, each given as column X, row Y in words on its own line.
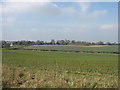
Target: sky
column 81, row 21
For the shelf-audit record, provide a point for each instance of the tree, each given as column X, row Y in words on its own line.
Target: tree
column 73, row 41
column 6, row 45
column 58, row 42
column 67, row 42
column 52, row 42
column 108, row 43
column 100, row 43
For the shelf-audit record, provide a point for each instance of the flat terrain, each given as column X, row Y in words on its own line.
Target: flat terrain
column 22, row 68
column 94, row 48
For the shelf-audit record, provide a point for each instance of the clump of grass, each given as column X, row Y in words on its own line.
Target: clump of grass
column 21, row 75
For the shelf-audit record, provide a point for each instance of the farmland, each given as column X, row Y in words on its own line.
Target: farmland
column 93, row 48
column 39, row 69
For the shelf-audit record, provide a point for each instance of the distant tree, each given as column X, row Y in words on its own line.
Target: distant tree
column 0, row 44
column 93, row 43
column 7, row 45
column 100, row 43
column 38, row 42
column 3, row 43
column 62, row 42
column 108, row 43
column 73, row 41
column 58, row 42
column 45, row 43
column 67, row 41
column 52, row 42
column 15, row 43
column 42, row 42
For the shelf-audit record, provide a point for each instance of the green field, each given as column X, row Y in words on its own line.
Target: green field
column 99, row 48
column 22, row 68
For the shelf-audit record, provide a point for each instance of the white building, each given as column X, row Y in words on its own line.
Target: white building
column 11, row 44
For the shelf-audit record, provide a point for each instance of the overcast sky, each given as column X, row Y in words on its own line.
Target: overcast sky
column 86, row 21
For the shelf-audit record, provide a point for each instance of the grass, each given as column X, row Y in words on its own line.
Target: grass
column 19, row 46
column 113, row 48
column 59, row 69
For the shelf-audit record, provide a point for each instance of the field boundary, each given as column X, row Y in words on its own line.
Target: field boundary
column 65, row 50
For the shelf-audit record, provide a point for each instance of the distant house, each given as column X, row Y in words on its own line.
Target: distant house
column 11, row 44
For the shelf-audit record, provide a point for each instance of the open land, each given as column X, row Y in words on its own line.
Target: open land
column 40, row 69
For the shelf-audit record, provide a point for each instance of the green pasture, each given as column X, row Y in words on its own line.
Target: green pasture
column 77, row 48
column 59, row 69
column 83, row 62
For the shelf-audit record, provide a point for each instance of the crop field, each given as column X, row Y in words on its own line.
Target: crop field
column 100, row 48
column 39, row 69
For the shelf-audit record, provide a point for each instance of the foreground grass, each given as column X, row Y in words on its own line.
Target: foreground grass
column 59, row 69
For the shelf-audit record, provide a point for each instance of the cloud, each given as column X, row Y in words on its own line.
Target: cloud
column 46, row 20
column 85, row 10
column 40, row 7
column 9, row 21
column 19, row 7
column 60, row 0
column 109, row 27
column 26, row 1
column 34, row 30
column 68, row 10
column 46, row 7
column 23, row 6
column 98, row 13
column 84, row 7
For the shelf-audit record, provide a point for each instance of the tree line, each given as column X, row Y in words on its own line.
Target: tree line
column 53, row 42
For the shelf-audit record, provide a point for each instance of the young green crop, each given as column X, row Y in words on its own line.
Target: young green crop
column 77, row 48
column 101, row 63
column 67, row 68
